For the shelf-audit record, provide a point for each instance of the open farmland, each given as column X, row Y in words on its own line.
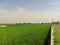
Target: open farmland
column 25, row 34
column 56, row 29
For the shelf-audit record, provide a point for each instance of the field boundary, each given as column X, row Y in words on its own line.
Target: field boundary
column 48, row 38
column 52, row 37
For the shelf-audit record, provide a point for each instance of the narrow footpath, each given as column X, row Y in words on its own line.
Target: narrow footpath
column 52, row 37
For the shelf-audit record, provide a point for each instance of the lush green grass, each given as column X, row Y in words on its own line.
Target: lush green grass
column 56, row 29
column 24, row 34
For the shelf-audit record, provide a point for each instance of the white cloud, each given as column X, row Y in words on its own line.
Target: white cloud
column 22, row 15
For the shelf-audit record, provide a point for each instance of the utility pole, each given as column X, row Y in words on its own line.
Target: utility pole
column 52, row 20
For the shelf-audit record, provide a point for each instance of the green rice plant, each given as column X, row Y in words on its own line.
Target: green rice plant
column 24, row 34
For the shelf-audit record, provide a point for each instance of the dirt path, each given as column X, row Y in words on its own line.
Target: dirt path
column 52, row 37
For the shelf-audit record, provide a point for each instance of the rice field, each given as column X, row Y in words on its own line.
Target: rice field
column 24, row 34
column 56, row 29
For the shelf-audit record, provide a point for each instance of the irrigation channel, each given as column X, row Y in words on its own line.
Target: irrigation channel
column 48, row 38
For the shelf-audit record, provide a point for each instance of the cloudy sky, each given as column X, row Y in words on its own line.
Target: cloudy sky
column 16, row 11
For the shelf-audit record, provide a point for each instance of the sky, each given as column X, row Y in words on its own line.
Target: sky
column 29, row 11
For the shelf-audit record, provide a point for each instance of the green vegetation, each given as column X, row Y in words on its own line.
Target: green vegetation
column 56, row 28
column 24, row 34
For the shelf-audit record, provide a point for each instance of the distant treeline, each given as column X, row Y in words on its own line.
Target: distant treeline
column 23, row 23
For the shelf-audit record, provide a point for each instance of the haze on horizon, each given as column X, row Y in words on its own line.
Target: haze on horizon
column 29, row 11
